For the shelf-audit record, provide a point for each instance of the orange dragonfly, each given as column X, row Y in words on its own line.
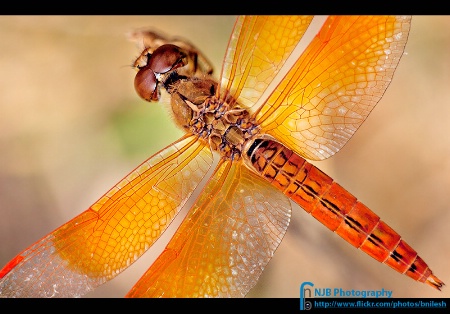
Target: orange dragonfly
column 252, row 129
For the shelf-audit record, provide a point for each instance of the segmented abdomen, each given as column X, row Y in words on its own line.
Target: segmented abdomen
column 336, row 208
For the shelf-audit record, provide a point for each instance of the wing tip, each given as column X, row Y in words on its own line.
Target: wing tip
column 11, row 264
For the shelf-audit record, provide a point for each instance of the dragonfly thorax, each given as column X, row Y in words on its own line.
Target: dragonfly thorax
column 196, row 109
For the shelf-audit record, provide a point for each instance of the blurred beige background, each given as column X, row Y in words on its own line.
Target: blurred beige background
column 71, row 126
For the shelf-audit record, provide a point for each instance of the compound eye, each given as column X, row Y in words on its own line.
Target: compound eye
column 166, row 58
column 146, row 85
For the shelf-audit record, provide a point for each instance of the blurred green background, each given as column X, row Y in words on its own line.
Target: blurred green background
column 71, row 126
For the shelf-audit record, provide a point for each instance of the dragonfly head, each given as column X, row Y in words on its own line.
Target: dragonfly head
column 154, row 67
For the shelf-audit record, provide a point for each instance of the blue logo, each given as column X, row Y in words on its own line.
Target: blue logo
column 305, row 305
column 307, row 291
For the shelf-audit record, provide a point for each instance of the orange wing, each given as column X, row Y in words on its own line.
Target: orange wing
column 335, row 84
column 223, row 245
column 102, row 241
column 258, row 48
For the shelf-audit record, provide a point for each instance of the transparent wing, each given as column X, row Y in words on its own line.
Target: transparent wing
column 223, row 245
column 102, row 241
column 258, row 48
column 335, row 83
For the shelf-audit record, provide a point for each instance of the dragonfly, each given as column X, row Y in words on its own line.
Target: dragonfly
column 248, row 138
